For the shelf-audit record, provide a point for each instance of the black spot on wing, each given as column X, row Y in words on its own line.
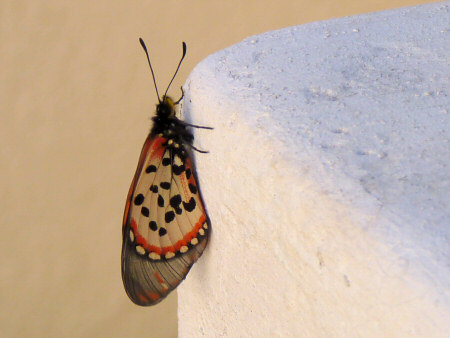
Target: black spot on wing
column 189, row 206
column 139, row 199
column 178, row 169
column 192, row 188
column 166, row 161
column 160, row 201
column 175, row 201
column 150, row 169
column 188, row 173
column 145, row 212
column 154, row 189
column 170, row 216
column 165, row 185
column 162, row 232
column 153, row 226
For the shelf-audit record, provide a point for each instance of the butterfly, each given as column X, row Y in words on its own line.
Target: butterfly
column 165, row 224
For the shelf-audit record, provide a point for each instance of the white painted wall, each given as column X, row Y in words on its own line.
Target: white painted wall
column 327, row 181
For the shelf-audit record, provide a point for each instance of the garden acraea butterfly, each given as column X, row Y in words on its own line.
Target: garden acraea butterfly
column 165, row 225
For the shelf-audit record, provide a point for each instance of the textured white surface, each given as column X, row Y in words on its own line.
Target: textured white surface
column 327, row 181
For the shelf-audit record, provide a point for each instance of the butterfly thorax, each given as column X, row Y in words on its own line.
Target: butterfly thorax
column 168, row 125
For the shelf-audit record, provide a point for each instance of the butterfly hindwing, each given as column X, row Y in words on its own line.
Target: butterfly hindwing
column 165, row 226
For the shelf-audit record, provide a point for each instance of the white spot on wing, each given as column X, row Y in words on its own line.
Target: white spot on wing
column 154, row 255
column 177, row 161
column 140, row 250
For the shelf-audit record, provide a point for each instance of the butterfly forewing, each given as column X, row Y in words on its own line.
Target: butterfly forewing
column 165, row 226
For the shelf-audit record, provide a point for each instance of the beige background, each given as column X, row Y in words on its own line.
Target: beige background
column 75, row 99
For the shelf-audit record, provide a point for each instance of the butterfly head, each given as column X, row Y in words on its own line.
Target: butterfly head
column 166, row 108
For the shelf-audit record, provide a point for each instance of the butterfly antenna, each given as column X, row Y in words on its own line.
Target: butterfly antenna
column 149, row 63
column 179, row 64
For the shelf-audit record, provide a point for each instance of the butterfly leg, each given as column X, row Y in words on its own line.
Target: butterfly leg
column 182, row 95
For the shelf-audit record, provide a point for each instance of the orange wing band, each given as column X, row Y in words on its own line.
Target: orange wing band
column 176, row 247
